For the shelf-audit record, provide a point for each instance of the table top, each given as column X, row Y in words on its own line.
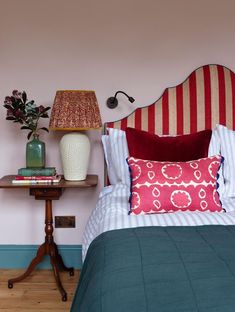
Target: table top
column 91, row 180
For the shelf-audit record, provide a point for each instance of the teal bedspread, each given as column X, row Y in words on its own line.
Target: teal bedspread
column 159, row 269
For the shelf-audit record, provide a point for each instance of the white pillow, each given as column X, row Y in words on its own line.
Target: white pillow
column 113, row 179
column 215, row 149
column 116, row 152
column 227, row 147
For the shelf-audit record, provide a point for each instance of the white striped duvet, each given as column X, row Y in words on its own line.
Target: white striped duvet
column 111, row 212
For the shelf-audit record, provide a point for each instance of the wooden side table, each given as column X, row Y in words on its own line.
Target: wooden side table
column 48, row 192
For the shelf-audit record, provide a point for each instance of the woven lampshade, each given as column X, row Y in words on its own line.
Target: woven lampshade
column 75, row 110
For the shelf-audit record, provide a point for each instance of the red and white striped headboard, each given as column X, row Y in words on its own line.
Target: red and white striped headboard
column 204, row 99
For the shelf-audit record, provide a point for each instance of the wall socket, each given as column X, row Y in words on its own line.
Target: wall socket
column 65, row 222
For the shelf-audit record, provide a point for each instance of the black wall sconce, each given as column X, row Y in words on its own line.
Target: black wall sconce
column 112, row 101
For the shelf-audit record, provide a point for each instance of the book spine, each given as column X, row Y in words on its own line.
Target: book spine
column 36, row 172
column 33, row 182
column 48, row 178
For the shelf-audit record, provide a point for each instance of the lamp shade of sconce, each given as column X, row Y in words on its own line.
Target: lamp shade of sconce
column 112, row 102
column 75, row 111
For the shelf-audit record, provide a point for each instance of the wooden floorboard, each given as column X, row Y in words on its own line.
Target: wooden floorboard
column 38, row 292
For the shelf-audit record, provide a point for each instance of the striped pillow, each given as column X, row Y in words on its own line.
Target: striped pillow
column 214, row 149
column 112, row 175
column 118, row 155
column 227, row 146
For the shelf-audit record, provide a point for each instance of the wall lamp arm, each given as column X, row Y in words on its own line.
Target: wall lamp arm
column 112, row 101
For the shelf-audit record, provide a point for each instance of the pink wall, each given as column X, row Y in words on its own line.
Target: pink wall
column 140, row 47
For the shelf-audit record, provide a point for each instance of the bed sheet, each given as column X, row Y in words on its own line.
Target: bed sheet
column 111, row 212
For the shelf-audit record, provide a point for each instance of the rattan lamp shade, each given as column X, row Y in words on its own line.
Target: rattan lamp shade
column 75, row 111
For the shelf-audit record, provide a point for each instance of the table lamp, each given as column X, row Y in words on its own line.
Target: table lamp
column 75, row 111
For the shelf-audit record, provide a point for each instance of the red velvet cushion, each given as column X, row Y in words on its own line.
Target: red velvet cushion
column 159, row 187
column 144, row 145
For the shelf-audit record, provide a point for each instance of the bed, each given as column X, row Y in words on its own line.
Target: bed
column 145, row 249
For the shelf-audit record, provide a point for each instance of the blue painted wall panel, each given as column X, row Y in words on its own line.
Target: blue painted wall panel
column 20, row 256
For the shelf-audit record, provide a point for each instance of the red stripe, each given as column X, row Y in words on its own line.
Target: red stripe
column 207, row 94
column 138, row 119
column 110, row 125
column 233, row 96
column 193, row 102
column 165, row 113
column 124, row 124
column 222, row 107
column 180, row 111
column 151, row 118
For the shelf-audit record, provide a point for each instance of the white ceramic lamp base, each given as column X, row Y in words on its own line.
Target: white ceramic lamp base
column 75, row 154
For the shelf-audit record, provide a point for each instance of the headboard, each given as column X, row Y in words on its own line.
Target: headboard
column 204, row 99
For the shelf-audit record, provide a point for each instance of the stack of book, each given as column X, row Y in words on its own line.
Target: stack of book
column 36, row 176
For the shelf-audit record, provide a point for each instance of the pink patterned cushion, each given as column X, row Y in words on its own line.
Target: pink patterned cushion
column 159, row 187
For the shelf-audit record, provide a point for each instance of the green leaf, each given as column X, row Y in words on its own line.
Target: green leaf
column 7, row 106
column 29, row 135
column 44, row 128
column 24, row 97
column 30, row 103
column 46, row 109
column 15, row 104
column 25, row 128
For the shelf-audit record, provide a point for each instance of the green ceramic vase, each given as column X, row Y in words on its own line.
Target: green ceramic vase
column 35, row 153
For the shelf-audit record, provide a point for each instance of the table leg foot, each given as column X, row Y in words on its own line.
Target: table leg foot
column 54, row 265
column 61, row 264
column 33, row 263
column 64, row 297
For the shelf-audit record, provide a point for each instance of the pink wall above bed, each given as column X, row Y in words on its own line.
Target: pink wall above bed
column 140, row 47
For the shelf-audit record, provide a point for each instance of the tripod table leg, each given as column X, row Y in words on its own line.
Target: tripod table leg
column 61, row 264
column 40, row 253
column 56, row 273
